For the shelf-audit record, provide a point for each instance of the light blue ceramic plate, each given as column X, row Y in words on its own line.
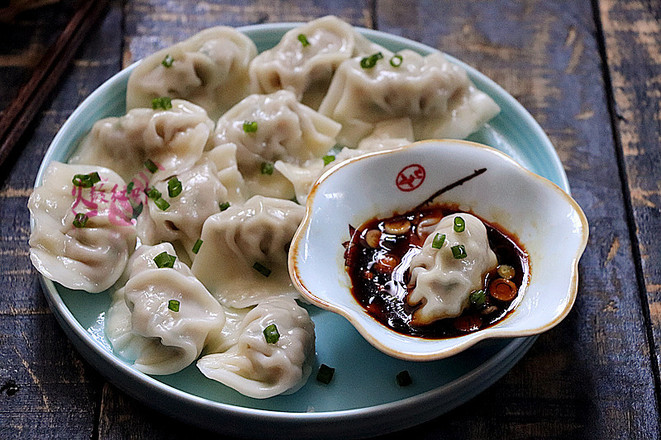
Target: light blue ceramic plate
column 363, row 398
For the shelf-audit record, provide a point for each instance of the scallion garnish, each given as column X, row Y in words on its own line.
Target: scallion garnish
column 162, row 204
column 163, row 103
column 137, row 210
column 167, row 61
column 458, row 251
column 478, row 298
column 370, row 61
column 267, row 168
column 404, row 378
column 164, row 260
column 153, row 193
column 325, row 374
column 197, row 246
column 250, row 126
column 271, row 334
column 438, row 241
column 328, row 159
column 173, row 305
column 396, row 60
column 86, row 180
column 151, row 166
column 129, row 188
column 223, row 206
column 303, row 39
column 459, row 224
column 80, row 220
column 174, row 187
column 262, row 269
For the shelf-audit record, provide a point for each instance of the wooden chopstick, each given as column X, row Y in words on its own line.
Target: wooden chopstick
column 24, row 108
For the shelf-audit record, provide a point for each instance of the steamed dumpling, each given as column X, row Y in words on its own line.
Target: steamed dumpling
column 257, row 368
column 172, row 139
column 244, row 252
column 92, row 257
column 145, row 328
column 435, row 94
column 307, row 69
column 209, row 69
column 442, row 283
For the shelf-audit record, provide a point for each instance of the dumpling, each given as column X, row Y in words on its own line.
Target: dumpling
column 435, row 94
column 261, row 369
column 163, row 317
column 268, row 128
column 306, row 58
column 441, row 281
column 244, row 252
column 209, row 69
column 172, row 139
column 82, row 235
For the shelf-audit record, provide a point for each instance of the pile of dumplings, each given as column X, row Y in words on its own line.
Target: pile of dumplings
column 183, row 209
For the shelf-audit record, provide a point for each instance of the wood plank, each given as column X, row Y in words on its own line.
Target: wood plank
column 632, row 32
column 591, row 376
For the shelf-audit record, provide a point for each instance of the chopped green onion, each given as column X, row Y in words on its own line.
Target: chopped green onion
column 86, row 180
column 163, row 103
column 153, row 193
column 459, row 251
column 167, row 61
column 267, row 168
column 262, row 269
column 173, row 305
column 404, row 378
column 328, row 159
column 174, row 187
column 303, row 39
column 137, row 210
column 250, row 126
column 162, row 204
column 223, row 206
column 478, row 298
column 271, row 334
column 370, row 61
column 164, row 260
column 80, row 220
column 506, row 271
column 325, row 374
column 151, row 166
column 129, row 188
column 459, row 224
column 439, row 239
column 396, row 60
column 197, row 246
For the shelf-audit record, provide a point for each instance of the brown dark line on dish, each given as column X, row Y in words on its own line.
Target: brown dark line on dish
column 451, row 186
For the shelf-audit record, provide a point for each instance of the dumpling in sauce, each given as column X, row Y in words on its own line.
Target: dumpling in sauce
column 82, row 236
column 261, row 368
column 442, row 279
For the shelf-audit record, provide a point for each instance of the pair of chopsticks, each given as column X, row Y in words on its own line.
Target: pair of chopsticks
column 24, row 108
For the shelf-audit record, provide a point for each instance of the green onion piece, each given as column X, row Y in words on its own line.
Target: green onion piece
column 250, row 126
column 162, row 204
column 404, row 378
column 167, row 61
column 164, row 103
column 328, row 159
column 303, row 39
column 439, row 239
column 396, row 60
column 151, row 166
column 271, row 334
column 459, row 224
column 478, row 298
column 506, row 271
column 459, row 251
column 86, row 180
column 197, row 246
column 223, row 206
column 137, row 210
column 129, row 188
column 325, row 374
column 164, row 260
column 173, row 305
column 80, row 220
column 370, row 61
column 262, row 269
column 174, row 187
column 153, row 193
column 267, row 168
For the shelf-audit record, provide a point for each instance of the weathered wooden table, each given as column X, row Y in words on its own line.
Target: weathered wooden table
column 588, row 70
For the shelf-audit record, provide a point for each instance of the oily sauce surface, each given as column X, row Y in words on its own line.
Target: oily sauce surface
column 378, row 256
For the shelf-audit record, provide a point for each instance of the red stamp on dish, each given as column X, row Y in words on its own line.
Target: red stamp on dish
column 411, row 177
